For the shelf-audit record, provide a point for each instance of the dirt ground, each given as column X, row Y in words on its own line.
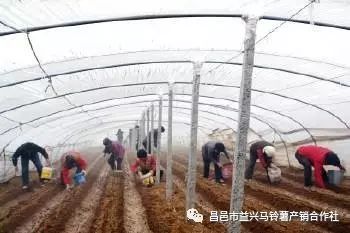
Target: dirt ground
column 117, row 202
column 287, row 195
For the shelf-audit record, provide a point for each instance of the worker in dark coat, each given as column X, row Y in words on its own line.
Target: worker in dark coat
column 155, row 134
column 316, row 156
column 211, row 154
column 262, row 150
column 29, row 152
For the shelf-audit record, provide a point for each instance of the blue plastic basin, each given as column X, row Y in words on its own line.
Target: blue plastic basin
column 79, row 178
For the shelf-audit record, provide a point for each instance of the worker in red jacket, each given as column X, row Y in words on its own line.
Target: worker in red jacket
column 145, row 165
column 70, row 160
column 316, row 156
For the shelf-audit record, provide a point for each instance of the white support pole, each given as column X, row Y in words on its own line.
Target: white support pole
column 152, row 129
column 140, row 134
column 169, row 160
column 237, row 192
column 131, row 131
column 192, row 165
column 142, row 129
column 147, row 130
column 159, row 139
column 137, row 136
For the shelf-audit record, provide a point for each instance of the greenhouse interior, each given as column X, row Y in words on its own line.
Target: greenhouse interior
column 175, row 116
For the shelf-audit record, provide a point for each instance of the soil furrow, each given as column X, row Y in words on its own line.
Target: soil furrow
column 135, row 220
column 83, row 216
column 56, row 204
column 109, row 216
column 258, row 201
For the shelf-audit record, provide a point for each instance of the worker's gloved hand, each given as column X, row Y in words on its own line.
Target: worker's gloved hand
column 84, row 172
column 231, row 160
column 149, row 174
column 69, row 187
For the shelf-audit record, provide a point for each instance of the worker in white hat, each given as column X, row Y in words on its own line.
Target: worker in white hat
column 262, row 150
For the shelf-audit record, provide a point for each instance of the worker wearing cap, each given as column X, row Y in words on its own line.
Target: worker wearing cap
column 262, row 150
column 70, row 160
column 317, row 157
column 211, row 154
column 116, row 151
column 29, row 151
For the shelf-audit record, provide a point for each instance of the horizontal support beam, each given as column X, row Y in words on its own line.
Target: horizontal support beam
column 159, row 16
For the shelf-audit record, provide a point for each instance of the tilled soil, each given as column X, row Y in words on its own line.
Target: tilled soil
column 115, row 202
column 22, row 208
column 260, row 196
column 165, row 216
column 109, row 215
column 57, row 217
column 169, row 216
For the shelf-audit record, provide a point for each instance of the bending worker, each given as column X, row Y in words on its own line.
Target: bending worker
column 116, row 151
column 145, row 165
column 317, row 157
column 262, row 150
column 29, row 151
column 211, row 153
column 70, row 160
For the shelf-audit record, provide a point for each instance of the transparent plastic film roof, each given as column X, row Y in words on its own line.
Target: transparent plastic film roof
column 76, row 71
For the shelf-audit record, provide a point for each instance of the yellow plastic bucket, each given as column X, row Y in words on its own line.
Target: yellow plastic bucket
column 148, row 181
column 47, row 173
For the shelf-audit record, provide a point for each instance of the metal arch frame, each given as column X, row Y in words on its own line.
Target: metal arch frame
column 213, row 105
column 175, row 122
column 254, row 117
column 82, row 130
column 111, row 114
column 184, row 61
column 160, row 16
column 151, row 95
column 183, row 108
column 154, row 83
column 146, row 101
column 217, row 106
column 165, row 106
column 171, row 62
column 228, row 109
column 78, row 139
column 100, row 108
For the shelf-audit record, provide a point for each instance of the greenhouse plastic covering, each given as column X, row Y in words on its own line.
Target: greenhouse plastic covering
column 73, row 72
